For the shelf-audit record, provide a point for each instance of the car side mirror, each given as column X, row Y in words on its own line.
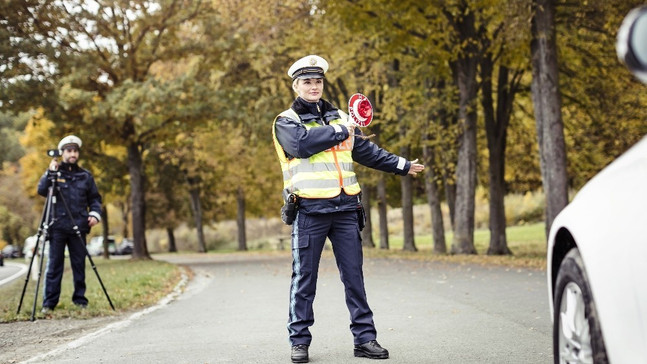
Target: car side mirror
column 631, row 43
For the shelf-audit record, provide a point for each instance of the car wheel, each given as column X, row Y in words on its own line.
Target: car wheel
column 577, row 336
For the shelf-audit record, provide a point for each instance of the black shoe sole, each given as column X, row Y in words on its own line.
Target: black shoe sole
column 363, row 354
column 304, row 360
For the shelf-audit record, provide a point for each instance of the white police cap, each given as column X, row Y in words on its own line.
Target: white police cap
column 311, row 66
column 70, row 139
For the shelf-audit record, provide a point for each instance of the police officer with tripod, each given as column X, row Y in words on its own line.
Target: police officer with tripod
column 83, row 201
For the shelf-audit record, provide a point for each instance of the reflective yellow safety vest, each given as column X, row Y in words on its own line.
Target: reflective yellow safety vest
column 324, row 174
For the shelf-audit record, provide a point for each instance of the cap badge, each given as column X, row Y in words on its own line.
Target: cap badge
column 313, row 61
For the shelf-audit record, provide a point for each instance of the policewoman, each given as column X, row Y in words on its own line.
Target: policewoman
column 77, row 187
column 316, row 146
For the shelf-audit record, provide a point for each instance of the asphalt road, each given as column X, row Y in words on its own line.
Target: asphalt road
column 235, row 311
column 12, row 270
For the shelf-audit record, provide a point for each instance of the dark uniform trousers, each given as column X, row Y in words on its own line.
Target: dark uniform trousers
column 55, row 265
column 309, row 234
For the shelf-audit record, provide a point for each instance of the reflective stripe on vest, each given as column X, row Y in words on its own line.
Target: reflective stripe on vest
column 324, row 174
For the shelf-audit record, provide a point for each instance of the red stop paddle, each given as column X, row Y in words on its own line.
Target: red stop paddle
column 360, row 109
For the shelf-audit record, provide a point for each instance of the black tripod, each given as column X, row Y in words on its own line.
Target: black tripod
column 47, row 220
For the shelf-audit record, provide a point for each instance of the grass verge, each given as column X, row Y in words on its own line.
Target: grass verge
column 131, row 284
column 527, row 243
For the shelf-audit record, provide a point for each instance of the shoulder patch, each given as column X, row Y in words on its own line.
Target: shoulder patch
column 289, row 113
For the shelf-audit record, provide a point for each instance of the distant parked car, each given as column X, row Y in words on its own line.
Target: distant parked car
column 95, row 247
column 125, row 247
column 10, row 251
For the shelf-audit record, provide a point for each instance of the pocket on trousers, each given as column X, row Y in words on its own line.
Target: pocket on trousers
column 303, row 241
column 303, row 238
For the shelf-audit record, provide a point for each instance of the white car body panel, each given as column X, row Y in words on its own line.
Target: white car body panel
column 608, row 221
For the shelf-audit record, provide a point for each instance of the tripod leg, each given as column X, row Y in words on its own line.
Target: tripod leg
column 42, row 227
column 94, row 268
column 31, row 263
column 40, row 273
column 82, row 242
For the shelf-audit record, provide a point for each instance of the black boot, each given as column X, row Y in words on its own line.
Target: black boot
column 371, row 350
column 300, row 354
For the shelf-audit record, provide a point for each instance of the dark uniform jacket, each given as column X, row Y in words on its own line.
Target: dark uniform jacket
column 298, row 142
column 80, row 192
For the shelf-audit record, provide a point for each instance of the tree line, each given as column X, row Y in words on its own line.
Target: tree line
column 174, row 101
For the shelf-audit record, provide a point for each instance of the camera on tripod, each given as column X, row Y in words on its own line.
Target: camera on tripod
column 54, row 153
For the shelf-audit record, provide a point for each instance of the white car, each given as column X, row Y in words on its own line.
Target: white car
column 30, row 244
column 597, row 267
column 95, row 246
column 597, row 249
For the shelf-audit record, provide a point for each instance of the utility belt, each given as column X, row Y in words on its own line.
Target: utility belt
column 291, row 206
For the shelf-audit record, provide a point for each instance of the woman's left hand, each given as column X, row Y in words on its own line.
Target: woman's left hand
column 415, row 167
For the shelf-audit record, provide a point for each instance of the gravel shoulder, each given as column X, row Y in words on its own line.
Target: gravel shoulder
column 22, row 340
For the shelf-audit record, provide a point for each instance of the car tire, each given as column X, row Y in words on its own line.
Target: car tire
column 577, row 336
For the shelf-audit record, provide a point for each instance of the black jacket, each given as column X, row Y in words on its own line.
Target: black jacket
column 298, row 142
column 77, row 187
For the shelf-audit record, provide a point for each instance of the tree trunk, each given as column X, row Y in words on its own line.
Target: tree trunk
column 437, row 224
column 137, row 197
column 382, row 211
column 547, row 103
column 463, row 242
column 381, row 202
column 106, row 230
column 367, row 233
column 172, row 247
column 447, row 120
column 196, row 208
column 450, row 193
column 368, row 190
column 240, row 221
column 496, row 132
column 406, row 183
column 498, row 239
column 125, row 212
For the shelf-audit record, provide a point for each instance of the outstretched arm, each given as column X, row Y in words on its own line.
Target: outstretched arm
column 370, row 155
